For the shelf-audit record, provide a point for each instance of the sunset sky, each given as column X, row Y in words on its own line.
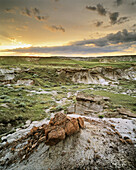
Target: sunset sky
column 67, row 27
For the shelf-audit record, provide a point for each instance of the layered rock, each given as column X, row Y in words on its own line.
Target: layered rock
column 87, row 104
column 99, row 75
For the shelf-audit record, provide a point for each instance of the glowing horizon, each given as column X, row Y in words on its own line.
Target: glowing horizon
column 67, row 28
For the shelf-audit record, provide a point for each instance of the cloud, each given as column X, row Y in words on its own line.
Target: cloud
column 34, row 12
column 120, row 41
column 98, row 23
column 119, row 2
column 133, row 3
column 99, row 8
column 93, row 8
column 22, row 28
column 27, row 12
column 122, row 20
column 4, row 34
column 55, row 28
column 10, row 10
column 65, row 50
column 7, row 36
column 113, row 17
column 134, row 25
column 120, row 37
column 41, row 18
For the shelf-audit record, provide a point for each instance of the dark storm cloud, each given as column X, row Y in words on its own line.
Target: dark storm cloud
column 99, row 8
column 120, row 37
column 71, row 49
column 119, row 2
column 98, row 23
column 113, row 17
column 55, row 28
column 109, row 43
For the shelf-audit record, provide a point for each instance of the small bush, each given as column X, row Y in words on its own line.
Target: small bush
column 22, row 105
column 101, row 116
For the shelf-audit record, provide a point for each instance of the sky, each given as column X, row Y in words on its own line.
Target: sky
column 67, row 27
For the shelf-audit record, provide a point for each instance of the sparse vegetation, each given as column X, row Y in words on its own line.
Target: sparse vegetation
column 21, row 102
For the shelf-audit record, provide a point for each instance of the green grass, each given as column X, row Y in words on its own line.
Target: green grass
column 60, row 63
column 21, row 106
column 120, row 99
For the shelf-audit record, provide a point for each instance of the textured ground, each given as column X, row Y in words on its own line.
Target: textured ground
column 102, row 144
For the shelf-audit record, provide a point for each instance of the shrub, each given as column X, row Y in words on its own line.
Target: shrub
column 22, row 104
column 101, row 116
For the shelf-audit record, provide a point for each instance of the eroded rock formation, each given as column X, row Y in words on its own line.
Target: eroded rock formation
column 58, row 129
column 99, row 75
column 61, row 126
column 100, row 145
column 87, row 104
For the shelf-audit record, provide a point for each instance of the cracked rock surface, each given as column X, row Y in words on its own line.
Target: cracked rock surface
column 98, row 145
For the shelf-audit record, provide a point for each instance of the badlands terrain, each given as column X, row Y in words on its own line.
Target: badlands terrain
column 67, row 113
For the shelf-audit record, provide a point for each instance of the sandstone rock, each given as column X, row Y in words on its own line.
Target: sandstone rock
column 55, row 136
column 129, row 141
column 81, row 122
column 71, row 109
column 59, row 126
column 88, row 104
column 58, row 119
column 71, row 127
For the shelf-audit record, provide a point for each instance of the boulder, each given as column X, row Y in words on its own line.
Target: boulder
column 60, row 126
column 55, row 136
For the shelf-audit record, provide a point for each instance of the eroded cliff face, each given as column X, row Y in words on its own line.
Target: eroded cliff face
column 96, row 75
column 8, row 74
column 99, row 75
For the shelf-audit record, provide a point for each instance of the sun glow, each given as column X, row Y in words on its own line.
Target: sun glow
column 14, row 44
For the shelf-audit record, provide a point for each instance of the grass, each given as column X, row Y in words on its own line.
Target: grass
column 119, row 99
column 17, row 105
column 60, row 63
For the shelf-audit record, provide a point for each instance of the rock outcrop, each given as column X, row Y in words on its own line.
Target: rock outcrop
column 8, row 74
column 61, row 126
column 98, row 146
column 88, row 104
column 99, row 75
column 50, row 134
